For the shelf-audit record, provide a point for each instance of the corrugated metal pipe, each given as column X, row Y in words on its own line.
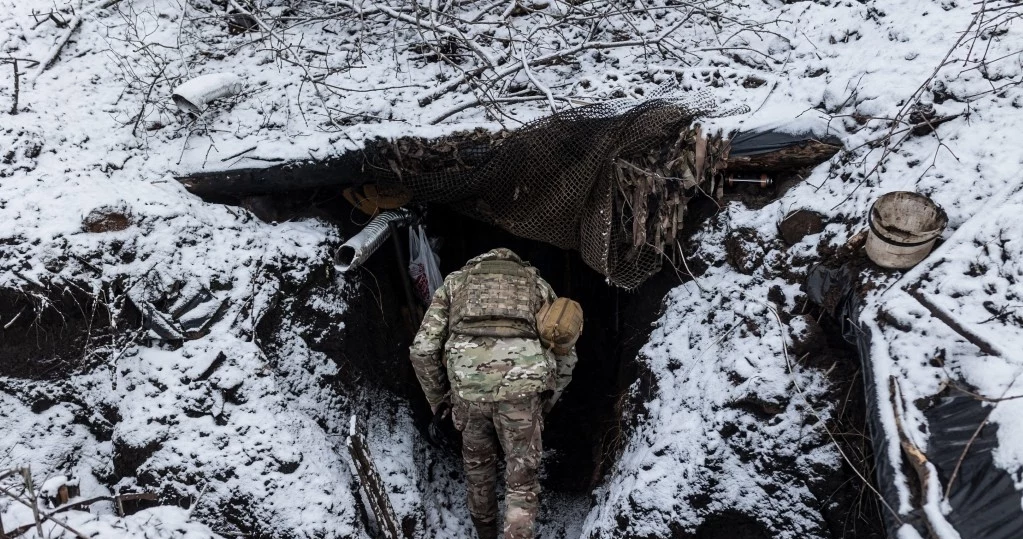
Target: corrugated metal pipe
column 357, row 249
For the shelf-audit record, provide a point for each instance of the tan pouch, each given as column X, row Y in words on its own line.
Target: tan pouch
column 560, row 324
column 371, row 198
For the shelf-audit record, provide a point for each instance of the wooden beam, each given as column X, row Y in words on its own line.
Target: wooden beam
column 336, row 172
column 374, row 487
column 796, row 157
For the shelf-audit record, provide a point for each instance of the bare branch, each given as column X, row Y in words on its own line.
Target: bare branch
column 54, row 53
column 539, row 85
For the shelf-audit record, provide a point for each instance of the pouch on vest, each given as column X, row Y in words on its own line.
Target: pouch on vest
column 497, row 299
column 560, row 324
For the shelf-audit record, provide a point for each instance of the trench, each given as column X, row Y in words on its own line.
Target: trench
column 582, row 431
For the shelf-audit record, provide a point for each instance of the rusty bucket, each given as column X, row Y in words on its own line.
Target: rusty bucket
column 903, row 228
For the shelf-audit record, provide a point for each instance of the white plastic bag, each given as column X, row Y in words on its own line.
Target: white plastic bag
column 424, row 264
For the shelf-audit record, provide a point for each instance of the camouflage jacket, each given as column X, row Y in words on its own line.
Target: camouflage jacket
column 483, row 369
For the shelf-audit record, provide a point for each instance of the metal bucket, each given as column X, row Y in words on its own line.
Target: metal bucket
column 903, row 228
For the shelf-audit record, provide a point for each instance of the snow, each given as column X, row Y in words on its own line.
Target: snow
column 93, row 136
column 720, row 366
column 157, row 523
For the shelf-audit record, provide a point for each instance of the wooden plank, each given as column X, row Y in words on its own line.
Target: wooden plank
column 373, row 486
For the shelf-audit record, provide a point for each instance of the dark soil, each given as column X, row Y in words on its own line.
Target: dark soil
column 729, row 525
column 47, row 332
column 745, row 250
column 798, row 224
column 106, row 220
column 850, row 508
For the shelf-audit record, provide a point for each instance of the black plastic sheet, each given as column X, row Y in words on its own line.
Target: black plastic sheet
column 985, row 503
column 984, row 500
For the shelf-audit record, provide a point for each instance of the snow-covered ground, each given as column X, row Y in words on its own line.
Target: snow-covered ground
column 243, row 434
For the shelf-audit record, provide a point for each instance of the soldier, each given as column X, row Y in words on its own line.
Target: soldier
column 478, row 345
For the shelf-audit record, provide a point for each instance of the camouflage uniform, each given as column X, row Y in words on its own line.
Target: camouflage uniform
column 496, row 370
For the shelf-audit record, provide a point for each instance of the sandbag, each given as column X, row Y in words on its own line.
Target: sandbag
column 560, row 324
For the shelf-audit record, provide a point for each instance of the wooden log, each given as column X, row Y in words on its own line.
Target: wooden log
column 807, row 155
column 914, row 455
column 426, row 156
column 954, row 324
column 379, row 161
column 337, row 172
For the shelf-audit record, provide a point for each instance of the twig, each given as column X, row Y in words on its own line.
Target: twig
column 197, row 500
column 429, row 97
column 17, row 86
column 532, row 78
column 497, row 100
column 145, row 99
column 51, row 57
column 959, row 463
column 56, row 521
column 913, row 99
column 26, row 475
column 978, row 396
column 954, row 324
column 232, row 156
column 17, row 77
column 682, row 255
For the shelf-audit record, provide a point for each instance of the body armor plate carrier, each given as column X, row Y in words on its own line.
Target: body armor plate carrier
column 497, row 299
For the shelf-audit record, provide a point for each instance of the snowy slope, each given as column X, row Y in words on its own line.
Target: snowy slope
column 258, row 434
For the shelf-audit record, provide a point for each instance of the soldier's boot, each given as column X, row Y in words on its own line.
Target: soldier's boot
column 485, row 530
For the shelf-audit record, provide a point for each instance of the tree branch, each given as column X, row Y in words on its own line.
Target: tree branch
column 54, row 53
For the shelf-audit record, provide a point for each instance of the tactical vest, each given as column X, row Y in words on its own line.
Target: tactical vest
column 498, row 298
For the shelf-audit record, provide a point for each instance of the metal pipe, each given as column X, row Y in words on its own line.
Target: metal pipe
column 193, row 95
column 763, row 181
column 359, row 247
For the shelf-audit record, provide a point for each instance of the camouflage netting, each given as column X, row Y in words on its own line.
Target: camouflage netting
column 609, row 180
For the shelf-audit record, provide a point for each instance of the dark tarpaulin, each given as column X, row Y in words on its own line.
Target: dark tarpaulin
column 985, row 503
column 984, row 500
column 771, row 140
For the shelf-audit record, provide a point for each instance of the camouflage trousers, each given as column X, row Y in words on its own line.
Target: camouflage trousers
column 515, row 425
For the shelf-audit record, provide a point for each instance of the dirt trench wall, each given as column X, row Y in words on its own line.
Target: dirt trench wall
column 48, row 331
